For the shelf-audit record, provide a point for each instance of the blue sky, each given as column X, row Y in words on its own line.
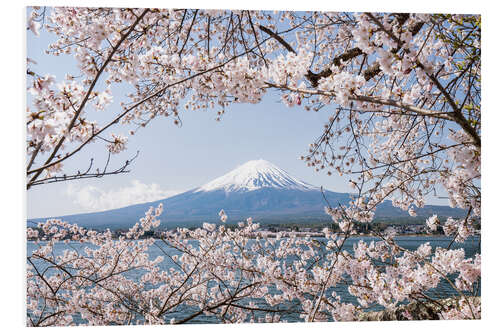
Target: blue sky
column 174, row 159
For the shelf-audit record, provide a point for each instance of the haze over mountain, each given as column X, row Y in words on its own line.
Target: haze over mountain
column 257, row 188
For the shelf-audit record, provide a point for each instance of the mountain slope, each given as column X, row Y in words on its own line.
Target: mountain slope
column 257, row 188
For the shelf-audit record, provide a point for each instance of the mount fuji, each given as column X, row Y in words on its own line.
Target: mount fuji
column 257, row 188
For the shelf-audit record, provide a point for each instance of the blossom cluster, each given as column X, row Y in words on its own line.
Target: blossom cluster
column 220, row 272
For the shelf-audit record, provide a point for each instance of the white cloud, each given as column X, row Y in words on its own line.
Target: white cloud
column 92, row 198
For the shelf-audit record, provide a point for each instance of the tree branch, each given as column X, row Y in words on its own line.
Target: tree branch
column 86, row 98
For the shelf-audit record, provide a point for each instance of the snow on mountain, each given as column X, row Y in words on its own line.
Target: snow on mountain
column 255, row 175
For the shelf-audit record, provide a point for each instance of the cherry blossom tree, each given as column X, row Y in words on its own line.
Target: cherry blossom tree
column 403, row 94
column 233, row 276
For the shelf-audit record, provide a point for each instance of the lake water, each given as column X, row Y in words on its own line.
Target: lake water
column 471, row 247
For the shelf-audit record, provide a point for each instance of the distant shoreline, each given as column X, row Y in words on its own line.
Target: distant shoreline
column 316, row 235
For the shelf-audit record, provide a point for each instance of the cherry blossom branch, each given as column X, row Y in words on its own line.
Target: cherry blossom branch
column 369, row 99
column 87, row 173
column 85, row 99
column 457, row 114
column 128, row 110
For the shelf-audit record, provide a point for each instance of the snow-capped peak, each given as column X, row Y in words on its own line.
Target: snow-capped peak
column 254, row 175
